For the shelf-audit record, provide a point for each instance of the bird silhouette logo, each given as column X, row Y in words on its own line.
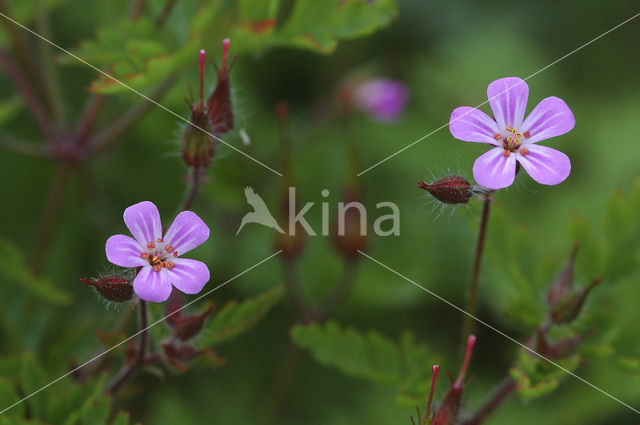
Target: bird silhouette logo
column 260, row 213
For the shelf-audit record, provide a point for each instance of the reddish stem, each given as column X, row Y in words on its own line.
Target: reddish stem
column 202, row 56
column 427, row 412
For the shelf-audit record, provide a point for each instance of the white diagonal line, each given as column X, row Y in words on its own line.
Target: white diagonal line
column 498, row 331
column 137, row 333
column 139, row 93
column 501, row 93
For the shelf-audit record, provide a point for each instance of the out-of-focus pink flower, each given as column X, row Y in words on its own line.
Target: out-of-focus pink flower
column 383, row 98
column 158, row 255
column 514, row 138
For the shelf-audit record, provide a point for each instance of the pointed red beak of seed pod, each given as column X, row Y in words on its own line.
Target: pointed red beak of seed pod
column 219, row 110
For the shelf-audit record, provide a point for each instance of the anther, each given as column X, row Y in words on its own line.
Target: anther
column 506, row 153
column 523, row 151
column 168, row 248
column 170, row 265
column 526, row 134
column 160, row 240
column 157, row 268
column 497, row 136
column 151, row 245
column 144, row 255
column 175, row 253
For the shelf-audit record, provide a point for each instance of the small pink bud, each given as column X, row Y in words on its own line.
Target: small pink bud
column 112, row 287
column 450, row 190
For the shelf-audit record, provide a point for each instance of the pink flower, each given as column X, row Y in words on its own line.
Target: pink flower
column 514, row 138
column 382, row 98
column 160, row 257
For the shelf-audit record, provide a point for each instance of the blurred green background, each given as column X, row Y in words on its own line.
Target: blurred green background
column 446, row 52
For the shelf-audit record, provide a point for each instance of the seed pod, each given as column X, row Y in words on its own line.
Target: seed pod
column 189, row 326
column 112, row 287
column 449, row 190
column 219, row 104
column 567, row 308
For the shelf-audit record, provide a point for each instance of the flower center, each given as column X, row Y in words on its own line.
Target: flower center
column 511, row 142
column 159, row 255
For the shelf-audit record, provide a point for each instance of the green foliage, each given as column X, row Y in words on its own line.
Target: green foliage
column 25, row 12
column 370, row 355
column 16, row 272
column 236, row 318
column 536, row 377
column 312, row 25
column 134, row 53
column 9, row 108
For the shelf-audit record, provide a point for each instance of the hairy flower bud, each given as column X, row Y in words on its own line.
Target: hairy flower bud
column 112, row 287
column 219, row 104
column 198, row 147
column 567, row 308
column 450, row 189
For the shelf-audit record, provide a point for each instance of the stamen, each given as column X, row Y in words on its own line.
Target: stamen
column 151, row 245
column 170, row 265
column 526, row 134
column 163, row 264
column 497, row 136
column 168, row 248
column 160, row 240
column 157, row 268
column 175, row 253
column 144, row 255
column 523, row 151
column 155, row 260
column 506, row 153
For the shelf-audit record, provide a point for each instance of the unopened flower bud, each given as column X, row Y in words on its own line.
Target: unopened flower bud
column 219, row 104
column 189, row 326
column 178, row 354
column 198, row 147
column 567, row 308
column 112, row 287
column 450, row 190
column 557, row 349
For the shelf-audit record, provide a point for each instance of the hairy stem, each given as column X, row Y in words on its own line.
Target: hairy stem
column 497, row 397
column 195, row 175
column 475, row 275
column 50, row 215
column 129, row 370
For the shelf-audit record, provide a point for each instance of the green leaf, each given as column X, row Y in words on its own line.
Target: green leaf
column 33, row 379
column 9, row 108
column 15, row 271
column 25, row 12
column 99, row 414
column 536, row 377
column 372, row 355
column 122, row 418
column 134, row 53
column 317, row 25
column 235, row 318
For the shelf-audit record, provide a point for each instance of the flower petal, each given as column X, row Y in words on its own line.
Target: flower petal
column 124, row 251
column 473, row 125
column 152, row 286
column 493, row 170
column 545, row 165
column 508, row 100
column 550, row 118
column 143, row 221
column 186, row 232
column 189, row 276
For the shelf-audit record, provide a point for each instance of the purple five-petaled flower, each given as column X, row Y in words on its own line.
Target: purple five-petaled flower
column 382, row 98
column 514, row 138
column 159, row 256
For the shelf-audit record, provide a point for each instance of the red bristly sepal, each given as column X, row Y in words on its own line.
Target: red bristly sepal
column 112, row 287
column 449, row 190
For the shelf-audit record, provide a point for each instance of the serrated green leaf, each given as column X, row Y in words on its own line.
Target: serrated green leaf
column 536, row 377
column 372, row 355
column 235, row 318
column 15, row 271
column 134, row 53
column 318, row 25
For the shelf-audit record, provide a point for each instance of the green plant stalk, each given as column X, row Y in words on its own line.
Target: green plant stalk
column 475, row 274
